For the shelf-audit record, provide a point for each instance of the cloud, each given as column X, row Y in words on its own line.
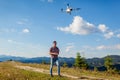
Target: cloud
column 16, row 48
column 14, row 42
column 102, row 27
column 10, row 41
column 79, row 26
column 109, row 35
column 117, row 46
column 69, row 47
column 26, row 30
column 101, row 47
column 13, row 31
column 113, row 47
column 118, row 35
column 22, row 21
column 6, row 30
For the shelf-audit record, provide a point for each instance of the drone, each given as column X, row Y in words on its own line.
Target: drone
column 69, row 9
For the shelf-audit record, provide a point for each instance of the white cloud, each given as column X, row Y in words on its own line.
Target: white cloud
column 10, row 41
column 26, row 30
column 118, row 35
column 69, row 47
column 101, row 47
column 102, row 27
column 6, row 30
column 14, row 42
column 79, row 26
column 117, row 46
column 111, row 47
column 16, row 48
column 109, row 35
column 22, row 21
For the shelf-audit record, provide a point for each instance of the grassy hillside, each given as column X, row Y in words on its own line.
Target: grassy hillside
column 9, row 72
column 78, row 72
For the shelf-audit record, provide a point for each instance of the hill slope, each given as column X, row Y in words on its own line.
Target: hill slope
column 23, row 71
column 9, row 72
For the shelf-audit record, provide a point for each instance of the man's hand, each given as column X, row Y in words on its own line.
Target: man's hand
column 53, row 53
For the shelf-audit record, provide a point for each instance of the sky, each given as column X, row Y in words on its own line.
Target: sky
column 28, row 28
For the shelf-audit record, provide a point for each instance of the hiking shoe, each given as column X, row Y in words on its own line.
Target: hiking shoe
column 59, row 75
column 51, row 75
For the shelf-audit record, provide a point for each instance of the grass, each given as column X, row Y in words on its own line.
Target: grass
column 78, row 72
column 8, row 72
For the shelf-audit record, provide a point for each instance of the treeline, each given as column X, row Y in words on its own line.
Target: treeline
column 81, row 63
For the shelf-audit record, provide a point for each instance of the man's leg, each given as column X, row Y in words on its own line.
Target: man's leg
column 51, row 66
column 58, row 66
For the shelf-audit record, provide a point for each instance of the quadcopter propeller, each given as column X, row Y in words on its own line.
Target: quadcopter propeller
column 77, row 8
column 62, row 9
column 68, row 5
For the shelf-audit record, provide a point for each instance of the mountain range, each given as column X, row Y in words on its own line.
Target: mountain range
column 98, row 62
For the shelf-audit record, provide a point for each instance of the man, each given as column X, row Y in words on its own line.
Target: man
column 54, row 52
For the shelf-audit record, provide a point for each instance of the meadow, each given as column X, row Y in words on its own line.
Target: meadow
column 8, row 71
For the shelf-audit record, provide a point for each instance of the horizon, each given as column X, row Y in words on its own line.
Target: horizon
column 59, row 57
column 27, row 28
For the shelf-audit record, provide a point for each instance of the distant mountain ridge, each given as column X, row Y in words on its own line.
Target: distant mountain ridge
column 100, row 61
column 70, row 61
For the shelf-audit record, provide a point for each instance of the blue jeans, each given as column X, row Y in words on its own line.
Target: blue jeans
column 55, row 60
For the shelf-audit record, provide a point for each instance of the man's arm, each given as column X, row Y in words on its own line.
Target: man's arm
column 53, row 53
column 50, row 52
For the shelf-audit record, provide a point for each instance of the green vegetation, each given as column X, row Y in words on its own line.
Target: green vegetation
column 95, row 69
column 108, row 63
column 76, row 71
column 43, row 62
column 9, row 72
column 65, row 64
column 80, row 62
